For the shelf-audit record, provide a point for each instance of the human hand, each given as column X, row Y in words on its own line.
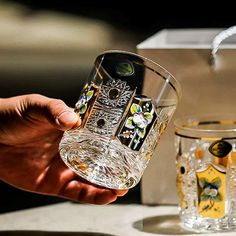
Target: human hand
column 31, row 127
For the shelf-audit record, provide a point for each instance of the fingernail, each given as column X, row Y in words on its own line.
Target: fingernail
column 67, row 118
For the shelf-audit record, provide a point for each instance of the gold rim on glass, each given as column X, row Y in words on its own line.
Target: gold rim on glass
column 206, row 127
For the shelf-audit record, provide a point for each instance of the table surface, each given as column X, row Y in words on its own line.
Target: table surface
column 67, row 219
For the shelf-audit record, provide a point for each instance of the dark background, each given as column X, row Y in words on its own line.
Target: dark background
column 146, row 17
column 141, row 19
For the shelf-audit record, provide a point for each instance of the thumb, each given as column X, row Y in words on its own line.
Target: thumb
column 64, row 117
column 57, row 112
column 67, row 119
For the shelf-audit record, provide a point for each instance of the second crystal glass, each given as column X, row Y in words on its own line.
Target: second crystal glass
column 206, row 170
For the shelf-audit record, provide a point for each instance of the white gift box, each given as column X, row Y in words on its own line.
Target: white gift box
column 207, row 89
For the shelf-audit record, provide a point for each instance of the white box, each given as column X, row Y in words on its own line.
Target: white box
column 186, row 54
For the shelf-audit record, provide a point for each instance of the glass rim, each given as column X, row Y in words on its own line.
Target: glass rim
column 193, row 126
column 164, row 73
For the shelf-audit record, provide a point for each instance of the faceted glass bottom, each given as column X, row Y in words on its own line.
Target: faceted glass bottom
column 101, row 160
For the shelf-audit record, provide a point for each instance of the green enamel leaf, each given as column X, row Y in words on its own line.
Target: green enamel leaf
column 216, row 182
column 205, row 197
column 83, row 109
column 148, row 116
column 203, row 182
column 124, row 69
column 217, row 198
column 129, row 123
column 140, row 132
column 135, row 108
column 89, row 94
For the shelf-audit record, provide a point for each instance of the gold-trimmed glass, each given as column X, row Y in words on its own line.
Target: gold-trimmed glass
column 125, row 106
column 206, row 172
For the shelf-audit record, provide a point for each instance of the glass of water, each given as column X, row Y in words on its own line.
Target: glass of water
column 124, row 106
column 206, row 172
